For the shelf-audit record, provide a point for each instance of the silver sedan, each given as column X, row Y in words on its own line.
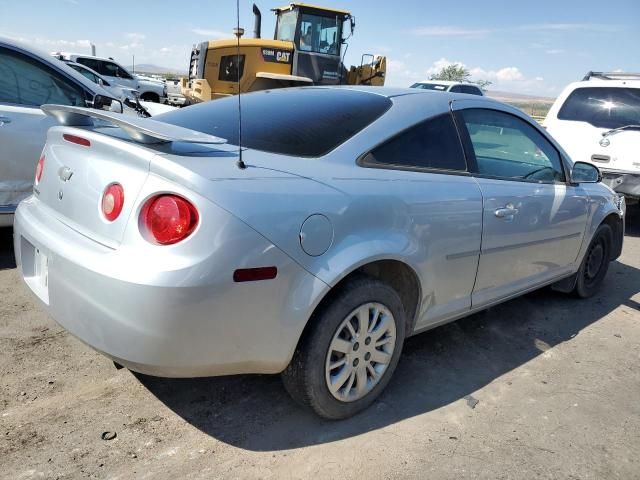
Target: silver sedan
column 353, row 218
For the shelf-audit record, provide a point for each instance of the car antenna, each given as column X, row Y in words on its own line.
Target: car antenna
column 238, row 31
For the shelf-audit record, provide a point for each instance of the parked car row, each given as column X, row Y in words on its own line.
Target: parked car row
column 150, row 90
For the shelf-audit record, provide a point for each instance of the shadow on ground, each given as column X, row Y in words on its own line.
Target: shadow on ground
column 7, row 260
column 437, row 368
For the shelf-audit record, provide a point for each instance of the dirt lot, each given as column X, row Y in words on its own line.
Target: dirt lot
column 543, row 386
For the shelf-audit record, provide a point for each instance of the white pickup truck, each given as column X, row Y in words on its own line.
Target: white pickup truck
column 597, row 120
column 150, row 90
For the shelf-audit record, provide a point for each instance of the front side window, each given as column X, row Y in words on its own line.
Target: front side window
column 431, row 144
column 603, row 107
column 506, row 146
column 25, row 81
column 286, row 29
column 122, row 73
column 319, row 34
column 85, row 73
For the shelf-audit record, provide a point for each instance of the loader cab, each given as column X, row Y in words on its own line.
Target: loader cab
column 317, row 35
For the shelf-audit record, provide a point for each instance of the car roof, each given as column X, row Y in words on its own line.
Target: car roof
column 430, row 96
column 449, row 82
column 52, row 62
column 600, row 82
column 69, row 55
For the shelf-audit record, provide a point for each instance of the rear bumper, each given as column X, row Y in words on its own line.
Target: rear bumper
column 626, row 183
column 183, row 322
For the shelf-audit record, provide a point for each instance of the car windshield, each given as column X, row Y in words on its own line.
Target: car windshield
column 603, row 107
column 431, row 86
column 305, row 122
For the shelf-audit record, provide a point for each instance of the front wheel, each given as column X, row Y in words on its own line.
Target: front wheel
column 350, row 351
column 595, row 263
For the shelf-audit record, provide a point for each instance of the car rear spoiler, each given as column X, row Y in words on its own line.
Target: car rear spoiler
column 142, row 130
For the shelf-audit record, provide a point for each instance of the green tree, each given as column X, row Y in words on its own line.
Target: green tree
column 458, row 73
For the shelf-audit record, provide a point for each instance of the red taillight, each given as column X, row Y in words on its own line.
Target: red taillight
column 77, row 140
column 169, row 218
column 112, row 201
column 39, row 169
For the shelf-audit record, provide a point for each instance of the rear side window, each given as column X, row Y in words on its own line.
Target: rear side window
column 305, row 122
column 430, row 144
column 430, row 86
column 25, row 81
column 603, row 107
column 93, row 64
column 470, row 90
column 231, row 68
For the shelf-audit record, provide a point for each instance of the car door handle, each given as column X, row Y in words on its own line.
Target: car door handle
column 4, row 120
column 507, row 211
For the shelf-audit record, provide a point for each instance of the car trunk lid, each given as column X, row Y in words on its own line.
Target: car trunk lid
column 79, row 165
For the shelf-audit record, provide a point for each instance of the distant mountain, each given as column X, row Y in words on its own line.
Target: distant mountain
column 517, row 97
column 155, row 69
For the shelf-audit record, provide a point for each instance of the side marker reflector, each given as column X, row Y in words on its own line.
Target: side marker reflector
column 254, row 274
column 77, row 140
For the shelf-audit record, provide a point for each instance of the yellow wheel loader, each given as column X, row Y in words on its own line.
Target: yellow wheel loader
column 308, row 47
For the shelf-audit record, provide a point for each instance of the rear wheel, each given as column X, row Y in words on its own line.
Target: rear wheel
column 595, row 263
column 348, row 355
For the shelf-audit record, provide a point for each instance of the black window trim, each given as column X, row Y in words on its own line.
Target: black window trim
column 363, row 162
column 470, row 155
column 33, row 58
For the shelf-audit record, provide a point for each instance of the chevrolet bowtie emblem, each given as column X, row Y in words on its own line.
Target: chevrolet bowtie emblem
column 65, row 174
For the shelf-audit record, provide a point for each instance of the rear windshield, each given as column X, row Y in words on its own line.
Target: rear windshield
column 430, row 86
column 603, row 107
column 305, row 122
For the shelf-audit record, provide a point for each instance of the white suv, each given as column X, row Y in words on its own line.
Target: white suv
column 597, row 120
column 150, row 90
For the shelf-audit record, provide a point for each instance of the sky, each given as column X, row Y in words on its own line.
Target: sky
column 527, row 47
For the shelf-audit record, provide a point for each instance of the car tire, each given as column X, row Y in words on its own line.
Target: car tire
column 329, row 340
column 595, row 263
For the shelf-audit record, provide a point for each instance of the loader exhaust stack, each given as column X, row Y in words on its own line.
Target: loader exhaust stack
column 257, row 25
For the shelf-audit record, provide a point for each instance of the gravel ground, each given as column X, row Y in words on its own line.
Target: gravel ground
column 544, row 386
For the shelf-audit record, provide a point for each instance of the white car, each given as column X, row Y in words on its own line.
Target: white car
column 597, row 120
column 150, row 90
column 118, row 91
column 449, row 86
column 127, row 96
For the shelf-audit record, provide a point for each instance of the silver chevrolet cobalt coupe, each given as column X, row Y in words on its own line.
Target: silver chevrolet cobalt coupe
column 354, row 218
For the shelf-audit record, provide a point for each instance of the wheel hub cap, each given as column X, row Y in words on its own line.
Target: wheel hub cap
column 360, row 352
column 594, row 262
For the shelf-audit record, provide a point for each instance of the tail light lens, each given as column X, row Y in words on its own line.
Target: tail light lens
column 169, row 218
column 39, row 169
column 112, row 201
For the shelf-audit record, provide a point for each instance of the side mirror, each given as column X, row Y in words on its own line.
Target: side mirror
column 100, row 82
column 583, row 172
column 102, row 102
